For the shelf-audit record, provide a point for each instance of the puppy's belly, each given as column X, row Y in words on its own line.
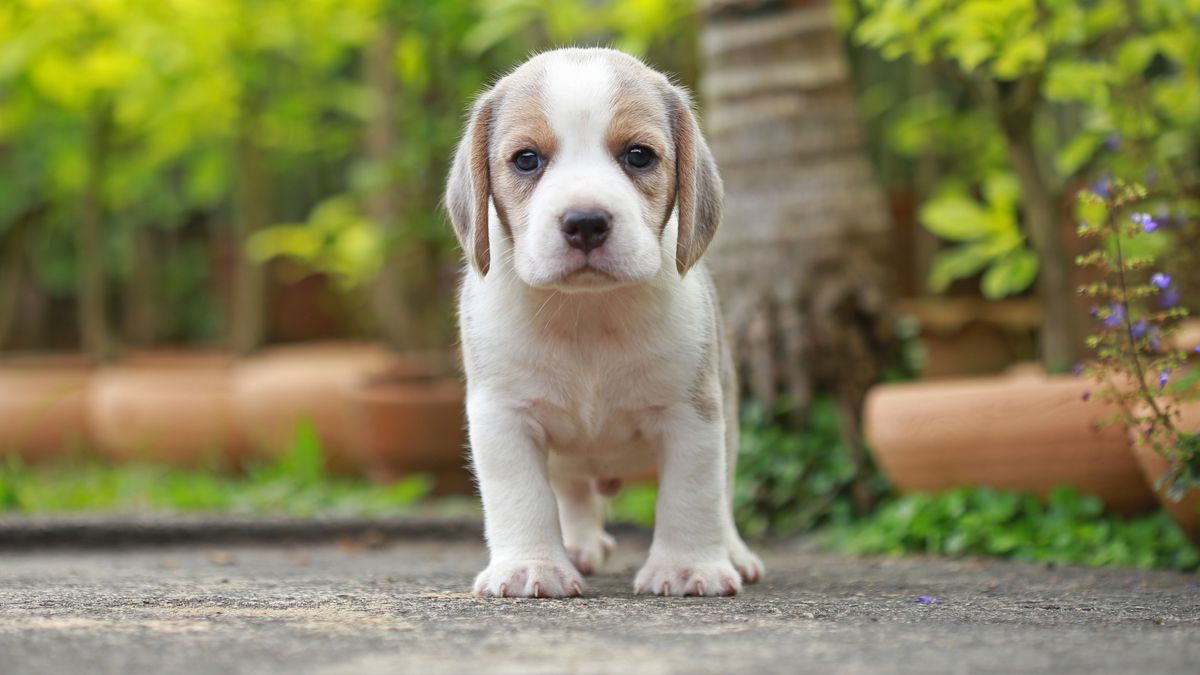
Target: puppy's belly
column 608, row 445
column 617, row 462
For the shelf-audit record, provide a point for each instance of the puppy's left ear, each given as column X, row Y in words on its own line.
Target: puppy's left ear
column 697, row 183
column 468, row 189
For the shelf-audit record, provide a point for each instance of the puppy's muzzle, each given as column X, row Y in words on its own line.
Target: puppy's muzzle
column 585, row 230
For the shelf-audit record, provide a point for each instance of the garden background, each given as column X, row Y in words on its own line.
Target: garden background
column 226, row 281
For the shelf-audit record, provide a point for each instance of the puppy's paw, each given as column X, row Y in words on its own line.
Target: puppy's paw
column 529, row 579
column 669, row 577
column 589, row 555
column 748, row 565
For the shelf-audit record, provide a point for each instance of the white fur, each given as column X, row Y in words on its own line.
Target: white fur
column 574, row 379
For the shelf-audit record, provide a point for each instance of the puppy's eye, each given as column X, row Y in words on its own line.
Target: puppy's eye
column 639, row 157
column 527, row 161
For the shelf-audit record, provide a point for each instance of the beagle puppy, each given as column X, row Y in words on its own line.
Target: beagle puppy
column 584, row 197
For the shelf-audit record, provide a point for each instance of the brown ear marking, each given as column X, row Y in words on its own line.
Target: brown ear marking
column 698, row 185
column 468, row 189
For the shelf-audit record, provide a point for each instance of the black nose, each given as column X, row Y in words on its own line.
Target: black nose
column 585, row 230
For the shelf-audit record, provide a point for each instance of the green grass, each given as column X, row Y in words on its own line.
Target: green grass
column 297, row 484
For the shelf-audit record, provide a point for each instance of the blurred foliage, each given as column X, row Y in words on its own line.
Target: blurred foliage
column 1068, row 528
column 794, row 480
column 185, row 84
column 296, row 484
column 1114, row 86
column 337, row 240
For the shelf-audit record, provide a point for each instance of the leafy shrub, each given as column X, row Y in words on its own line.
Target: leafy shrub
column 1067, row 528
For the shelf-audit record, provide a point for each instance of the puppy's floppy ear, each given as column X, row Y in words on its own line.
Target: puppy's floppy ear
column 468, row 189
column 698, row 185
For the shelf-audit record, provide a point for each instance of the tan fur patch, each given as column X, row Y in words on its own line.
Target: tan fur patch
column 520, row 124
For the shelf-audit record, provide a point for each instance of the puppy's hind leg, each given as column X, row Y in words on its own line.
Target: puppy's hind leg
column 581, row 515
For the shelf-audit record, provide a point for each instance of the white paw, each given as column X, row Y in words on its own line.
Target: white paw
column 588, row 556
column 668, row 577
column 748, row 565
column 529, row 579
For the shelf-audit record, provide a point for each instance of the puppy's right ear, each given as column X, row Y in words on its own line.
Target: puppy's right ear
column 468, row 190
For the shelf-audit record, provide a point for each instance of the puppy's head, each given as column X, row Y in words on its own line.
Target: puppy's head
column 586, row 155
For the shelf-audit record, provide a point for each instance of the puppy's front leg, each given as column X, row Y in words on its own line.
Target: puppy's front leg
column 689, row 555
column 520, row 515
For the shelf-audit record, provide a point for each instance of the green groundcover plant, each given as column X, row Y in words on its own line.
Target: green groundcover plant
column 296, row 484
column 1068, row 528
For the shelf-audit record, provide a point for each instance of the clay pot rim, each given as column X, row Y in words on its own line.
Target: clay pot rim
column 174, row 360
column 59, row 362
column 319, row 349
column 400, row 390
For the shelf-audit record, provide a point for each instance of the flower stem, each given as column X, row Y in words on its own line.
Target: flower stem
column 1128, row 320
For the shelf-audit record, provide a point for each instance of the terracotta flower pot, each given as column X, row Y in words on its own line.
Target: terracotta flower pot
column 43, row 406
column 275, row 391
column 167, row 408
column 1188, row 338
column 1186, row 511
column 1018, row 432
column 411, row 419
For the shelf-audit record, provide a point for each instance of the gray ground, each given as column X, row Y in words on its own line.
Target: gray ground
column 402, row 607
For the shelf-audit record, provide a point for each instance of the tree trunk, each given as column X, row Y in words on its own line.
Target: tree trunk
column 94, row 331
column 12, row 271
column 393, row 316
column 141, row 318
column 1061, row 332
column 805, row 225
column 249, row 280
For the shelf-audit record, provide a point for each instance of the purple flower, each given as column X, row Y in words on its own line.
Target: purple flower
column 1077, row 370
column 1197, row 349
column 1169, row 298
column 1116, row 316
column 1161, row 280
column 1148, row 224
column 1101, row 188
column 1138, row 331
column 1086, row 395
column 1113, row 142
column 1163, row 378
column 926, row 600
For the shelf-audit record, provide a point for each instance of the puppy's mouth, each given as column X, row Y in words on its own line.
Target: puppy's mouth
column 587, row 275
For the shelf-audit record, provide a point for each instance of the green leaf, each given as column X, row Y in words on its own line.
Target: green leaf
column 1078, row 81
column 956, row 217
column 955, row 263
column 1026, row 54
column 1002, row 191
column 1134, row 55
column 1078, row 152
column 1010, row 275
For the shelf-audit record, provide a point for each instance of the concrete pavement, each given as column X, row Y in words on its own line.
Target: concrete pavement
column 377, row 606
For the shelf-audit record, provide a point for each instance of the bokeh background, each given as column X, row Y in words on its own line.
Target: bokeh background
column 226, row 281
